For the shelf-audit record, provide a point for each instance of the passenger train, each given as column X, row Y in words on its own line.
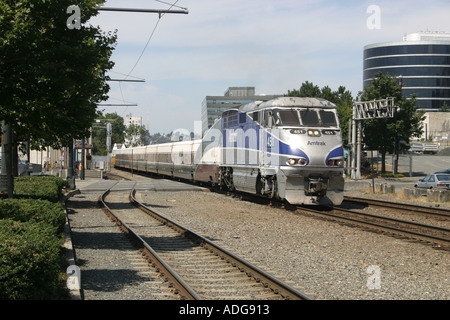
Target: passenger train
column 286, row 148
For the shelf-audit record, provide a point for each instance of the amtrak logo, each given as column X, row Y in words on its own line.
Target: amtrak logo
column 316, row 143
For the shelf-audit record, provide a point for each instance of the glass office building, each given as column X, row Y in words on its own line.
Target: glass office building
column 421, row 62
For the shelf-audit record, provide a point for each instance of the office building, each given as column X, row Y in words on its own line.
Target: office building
column 421, row 62
column 214, row 106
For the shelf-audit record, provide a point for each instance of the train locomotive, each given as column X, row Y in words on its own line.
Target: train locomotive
column 287, row 148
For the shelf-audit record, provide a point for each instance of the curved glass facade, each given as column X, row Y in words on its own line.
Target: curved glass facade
column 423, row 65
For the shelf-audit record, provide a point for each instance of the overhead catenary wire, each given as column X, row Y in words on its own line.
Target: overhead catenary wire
column 161, row 14
column 150, row 38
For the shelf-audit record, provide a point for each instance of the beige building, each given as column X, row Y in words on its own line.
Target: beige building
column 436, row 126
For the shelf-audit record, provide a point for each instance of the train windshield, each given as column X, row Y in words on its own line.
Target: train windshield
column 286, row 118
column 304, row 118
column 328, row 118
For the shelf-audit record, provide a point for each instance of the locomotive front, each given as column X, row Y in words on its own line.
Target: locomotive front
column 303, row 148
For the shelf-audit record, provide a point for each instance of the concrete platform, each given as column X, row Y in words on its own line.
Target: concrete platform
column 101, row 185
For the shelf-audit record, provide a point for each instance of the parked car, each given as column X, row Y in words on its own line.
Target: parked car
column 447, row 171
column 435, row 180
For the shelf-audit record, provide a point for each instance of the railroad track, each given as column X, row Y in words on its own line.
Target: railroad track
column 438, row 236
column 404, row 206
column 194, row 267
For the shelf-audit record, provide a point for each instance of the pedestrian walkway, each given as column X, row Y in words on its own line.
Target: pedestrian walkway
column 90, row 184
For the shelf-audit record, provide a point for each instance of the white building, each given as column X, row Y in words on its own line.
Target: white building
column 129, row 120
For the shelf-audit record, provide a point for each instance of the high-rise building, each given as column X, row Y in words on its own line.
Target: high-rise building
column 129, row 120
column 214, row 106
column 421, row 62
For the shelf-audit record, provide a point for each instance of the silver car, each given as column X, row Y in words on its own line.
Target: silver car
column 435, row 180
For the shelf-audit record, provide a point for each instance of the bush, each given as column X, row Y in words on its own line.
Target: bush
column 30, row 261
column 40, row 187
column 31, row 228
column 34, row 210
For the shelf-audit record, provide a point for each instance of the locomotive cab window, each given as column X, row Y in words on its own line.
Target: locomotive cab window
column 328, row 118
column 309, row 117
column 318, row 118
column 286, row 118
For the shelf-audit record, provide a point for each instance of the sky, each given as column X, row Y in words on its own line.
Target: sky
column 272, row 45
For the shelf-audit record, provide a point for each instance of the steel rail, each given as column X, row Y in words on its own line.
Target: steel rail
column 267, row 280
column 394, row 205
column 383, row 226
column 169, row 275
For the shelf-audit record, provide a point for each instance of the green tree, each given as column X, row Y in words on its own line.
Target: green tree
column 52, row 77
column 342, row 98
column 386, row 135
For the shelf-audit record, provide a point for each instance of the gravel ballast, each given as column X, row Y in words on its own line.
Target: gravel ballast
column 324, row 259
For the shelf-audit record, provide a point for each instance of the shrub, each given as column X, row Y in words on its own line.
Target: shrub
column 31, row 228
column 29, row 261
column 40, row 187
column 34, row 210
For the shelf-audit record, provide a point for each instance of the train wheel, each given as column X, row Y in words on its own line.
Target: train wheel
column 274, row 194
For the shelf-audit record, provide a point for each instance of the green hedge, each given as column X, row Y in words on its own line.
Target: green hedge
column 30, row 261
column 31, row 235
column 40, row 187
column 34, row 210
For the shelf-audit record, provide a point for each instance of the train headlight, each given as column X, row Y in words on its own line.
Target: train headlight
column 313, row 133
column 293, row 162
column 335, row 162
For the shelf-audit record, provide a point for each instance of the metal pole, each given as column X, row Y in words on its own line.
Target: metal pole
column 108, row 144
column 358, row 152
column 185, row 11
column 350, row 150
column 371, row 171
column 410, row 165
column 116, row 105
column 70, row 175
column 82, row 159
column 125, row 80
column 353, row 176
